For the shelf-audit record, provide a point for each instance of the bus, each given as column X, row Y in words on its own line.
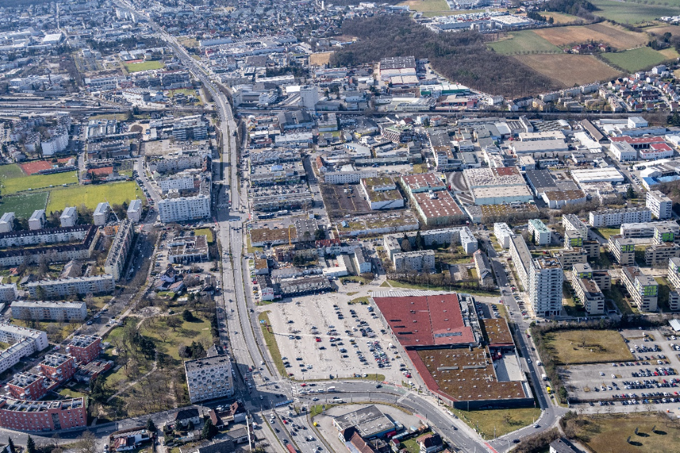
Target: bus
column 291, row 449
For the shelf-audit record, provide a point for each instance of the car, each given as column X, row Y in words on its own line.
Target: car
column 515, row 441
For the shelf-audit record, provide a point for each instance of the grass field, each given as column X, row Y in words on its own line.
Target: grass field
column 503, row 420
column 320, row 58
column 636, row 59
column 571, row 347
column 632, row 13
column 669, row 53
column 144, row 66
column 560, row 18
column 569, row 69
column 14, row 185
column 23, row 205
column 205, row 231
column 114, row 193
column 617, row 37
column 656, row 433
column 523, row 41
column 607, row 232
column 427, row 5
column 272, row 345
column 11, row 171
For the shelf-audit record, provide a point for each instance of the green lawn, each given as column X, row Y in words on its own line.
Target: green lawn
column 569, row 347
column 615, row 294
column 184, row 91
column 270, row 341
column 503, row 420
column 633, row 13
column 205, row 232
column 522, row 42
column 91, row 195
column 11, row 171
column 144, row 66
column 14, row 185
column 23, row 205
column 607, row 232
column 635, row 59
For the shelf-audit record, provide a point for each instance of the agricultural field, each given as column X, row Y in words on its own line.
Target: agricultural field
column 114, row 193
column 635, row 59
column 144, row 66
column 661, row 29
column 560, row 18
column 427, row 5
column 633, row 13
column 569, row 69
column 11, row 171
column 669, row 53
column 525, row 41
column 571, row 347
column 23, row 205
column 320, row 58
column 612, row 35
column 14, row 185
column 648, row 432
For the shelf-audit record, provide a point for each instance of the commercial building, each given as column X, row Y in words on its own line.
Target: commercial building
column 643, row 289
column 369, row 422
column 674, row 280
column 382, row 193
column 49, row 311
column 69, row 217
column 183, row 209
column 101, row 213
column 37, row 220
column 541, row 233
column 348, row 177
column 422, row 182
column 419, row 261
column 42, row 415
column 660, row 205
column 545, row 286
column 313, row 284
column 134, row 211
column 623, row 250
column 8, row 292
column 615, row 217
column 503, row 233
column 606, row 174
column 188, row 249
column 438, row 208
column 210, row 377
column 115, row 260
column 95, row 284
column 84, row 348
column 7, row 222
column 521, row 258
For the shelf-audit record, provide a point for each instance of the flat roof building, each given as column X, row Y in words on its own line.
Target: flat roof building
column 541, row 233
column 69, row 217
column 660, row 205
column 7, row 222
column 49, row 311
column 134, row 211
column 643, row 289
column 37, row 220
column 101, row 213
column 369, row 422
column 503, row 234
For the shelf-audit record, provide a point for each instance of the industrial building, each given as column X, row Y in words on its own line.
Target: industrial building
column 438, row 208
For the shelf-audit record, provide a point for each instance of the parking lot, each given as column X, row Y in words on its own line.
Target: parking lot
column 651, row 379
column 320, row 336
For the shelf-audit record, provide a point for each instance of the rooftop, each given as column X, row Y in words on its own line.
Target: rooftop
column 441, row 204
column 498, row 332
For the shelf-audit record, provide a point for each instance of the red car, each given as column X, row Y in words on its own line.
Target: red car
column 318, row 340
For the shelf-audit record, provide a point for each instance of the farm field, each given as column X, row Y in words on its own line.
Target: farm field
column 656, row 433
column 144, row 66
column 570, row 347
column 11, row 171
column 523, row 42
column 23, row 205
column 635, row 59
column 633, row 13
column 114, row 193
column 427, row 5
column 669, row 53
column 560, row 18
column 616, row 37
column 14, row 185
column 661, row 29
column 569, row 69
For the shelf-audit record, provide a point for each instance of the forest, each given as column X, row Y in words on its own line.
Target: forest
column 461, row 57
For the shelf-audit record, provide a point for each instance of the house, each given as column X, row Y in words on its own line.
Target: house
column 430, row 443
column 185, row 416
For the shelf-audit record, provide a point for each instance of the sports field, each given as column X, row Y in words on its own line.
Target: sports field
column 634, row 13
column 569, row 69
column 11, row 171
column 612, row 35
column 570, row 347
column 23, row 204
column 523, row 42
column 144, row 66
column 114, row 193
column 34, row 167
column 635, row 59
column 14, row 185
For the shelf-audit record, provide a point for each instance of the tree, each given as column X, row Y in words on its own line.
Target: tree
column 420, row 242
column 190, row 426
column 150, row 426
column 10, row 444
column 320, row 234
column 173, row 323
column 187, row 316
column 87, row 443
column 30, row 445
column 209, row 430
column 630, row 193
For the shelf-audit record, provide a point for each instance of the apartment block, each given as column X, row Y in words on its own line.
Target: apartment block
column 190, row 128
column 622, row 249
column 58, row 367
column 657, row 255
column 503, row 234
column 540, row 232
column 184, row 208
column 210, row 377
column 8, row 292
column 660, row 205
column 96, row 284
column 31, row 310
column 521, row 258
column 643, row 289
column 648, row 229
column 68, row 217
column 27, row 386
column 674, row 280
column 134, row 211
column 572, row 256
column 572, row 223
column 44, row 236
column 118, row 253
column 10, row 333
column 7, row 222
column 590, row 295
column 42, row 415
column 84, row 348
column 545, row 286
column 614, row 217
column 37, row 220
column 101, row 213
column 420, row 261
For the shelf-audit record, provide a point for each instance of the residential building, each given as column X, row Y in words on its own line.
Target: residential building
column 623, row 250
column 101, row 213
column 660, row 205
column 648, row 229
column 118, row 253
column 503, row 234
column 540, row 232
column 483, row 268
column 361, row 265
column 84, row 348
column 313, row 284
column 571, row 256
column 545, row 286
column 27, row 386
column 589, row 292
column 7, row 222
column 348, row 177
column 134, row 211
column 58, row 367
column 10, row 333
column 674, row 280
column 37, row 220
column 643, row 289
column 521, row 258
column 8, row 292
column 309, row 96
column 42, row 415
column 210, row 377
column 572, row 222
column 69, row 217
column 657, row 255
column 615, row 217
column 190, row 128
column 184, row 208
column 188, row 249
column 601, row 276
column 30, row 310
column 45, row 236
column 95, row 284
column 420, row 261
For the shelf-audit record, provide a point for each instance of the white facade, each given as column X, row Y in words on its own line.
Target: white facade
column 623, row 151
column 184, row 182
column 503, row 234
column 69, row 217
column 49, row 311
column 10, row 333
column 421, row 261
column 134, row 211
column 571, row 222
column 37, row 220
column 545, row 286
column 7, row 222
column 541, row 233
column 101, row 214
column 309, row 95
column 8, row 292
column 62, row 287
column 184, row 208
column 468, row 241
column 615, row 217
column 348, row 177
column 56, row 144
column 209, row 378
column 660, row 205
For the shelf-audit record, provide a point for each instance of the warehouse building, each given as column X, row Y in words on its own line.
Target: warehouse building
column 382, row 193
column 438, row 208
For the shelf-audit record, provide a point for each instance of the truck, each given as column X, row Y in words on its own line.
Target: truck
column 330, row 389
column 544, row 377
